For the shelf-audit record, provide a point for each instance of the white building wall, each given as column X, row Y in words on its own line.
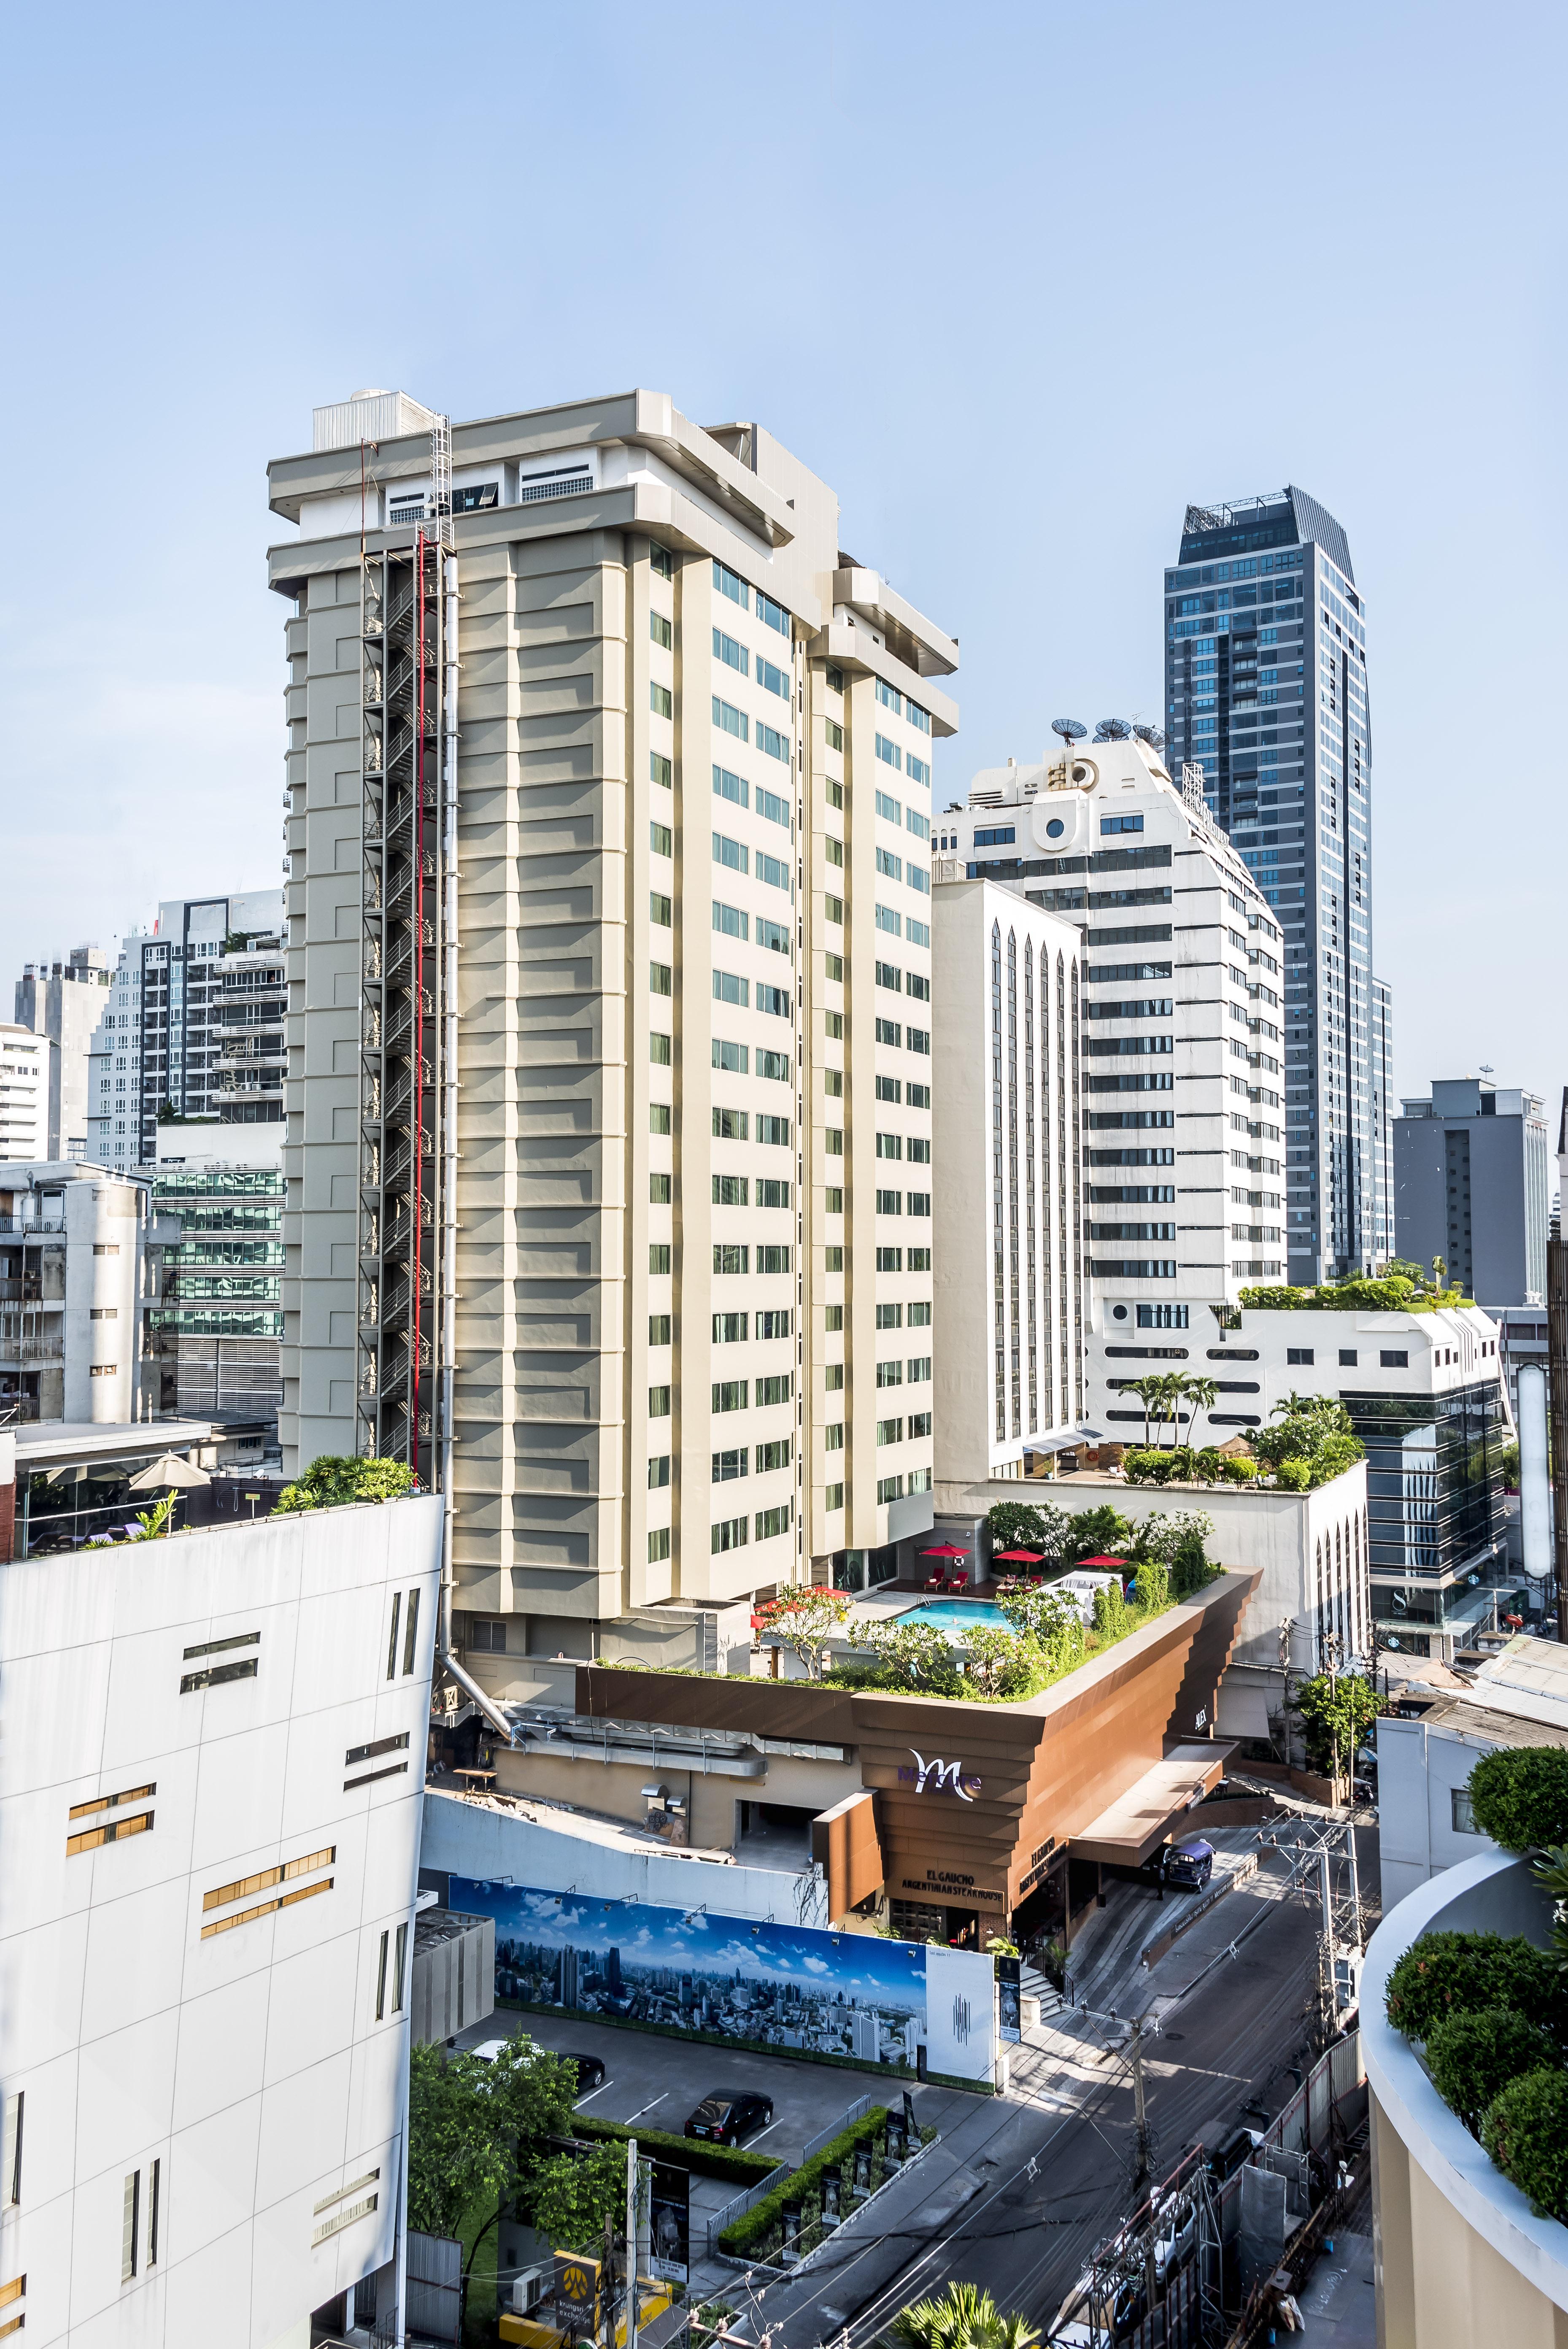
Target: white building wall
column 1421, row 1769
column 79, row 1237
column 24, row 1094
column 249, row 2064
column 1010, row 1276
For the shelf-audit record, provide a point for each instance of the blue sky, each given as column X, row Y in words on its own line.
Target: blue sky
column 1018, row 282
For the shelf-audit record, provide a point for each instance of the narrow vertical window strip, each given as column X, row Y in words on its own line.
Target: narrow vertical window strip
column 1015, row 1395
column 392, row 1642
column 410, row 1636
column 381, row 1977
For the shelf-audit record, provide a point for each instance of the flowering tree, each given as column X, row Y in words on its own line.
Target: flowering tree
column 805, row 1619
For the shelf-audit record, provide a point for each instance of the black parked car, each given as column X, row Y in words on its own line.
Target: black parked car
column 591, row 2072
column 727, row 2116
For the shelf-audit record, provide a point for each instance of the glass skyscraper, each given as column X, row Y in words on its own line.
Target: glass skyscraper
column 1265, row 688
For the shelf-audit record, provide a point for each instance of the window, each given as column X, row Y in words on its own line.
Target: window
column 730, row 1466
column 1461, row 1811
column 1304, row 1355
column 919, row 1370
column 835, row 677
column 732, row 654
column 890, row 1203
column 889, row 921
column 658, row 1257
column 731, row 1124
column 659, row 1472
column 888, row 1032
column 996, row 837
column 774, row 1131
column 1109, row 824
column 918, row 1150
column 917, row 877
column 659, row 1052
column 833, row 1376
column 660, row 840
column 833, row 907
column 889, row 697
column 889, row 754
column 772, row 615
column 215, row 1675
column 772, row 935
column 773, row 871
column 660, row 978
column 730, row 1394
column 772, row 1521
column 410, row 1632
column 659, row 913
column 730, row 921
column 731, row 1256
column 731, row 720
column 1162, row 1316
column 833, row 1437
column 890, row 1145
column 890, row 1430
column 114, row 1830
column 727, row 987
column 730, row 852
column 890, row 1374
column 728, row 583
column 889, row 1260
column 833, row 1318
column 918, row 824
column 730, row 1534
column 11, row 2150
column 1347, row 1357
column 888, row 975
column 835, row 733
column 381, row 1960
column 890, row 865
column 776, row 1389
column 730, row 1190
column 663, row 561
column 832, row 1197
column 890, row 1488
column 658, row 1404
column 833, row 1498
column 661, row 702
column 771, row 744
column 730, row 1329
column 833, row 1025
column 775, row 809
column 775, row 1065
column 833, row 1147
column 399, row 1972
column 915, row 985
column 658, row 1329
column 771, row 1193
column 659, row 768
column 659, row 1190
column 774, row 1455
column 775, row 1325
column 772, row 679
column 729, row 786
column 733, row 1057
column 1394, row 1358
column 131, row 2226
column 891, row 808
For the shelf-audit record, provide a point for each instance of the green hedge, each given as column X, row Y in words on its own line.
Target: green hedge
column 1449, row 1973
column 730, row 2162
column 1519, row 1795
column 763, row 2216
column 1526, row 2133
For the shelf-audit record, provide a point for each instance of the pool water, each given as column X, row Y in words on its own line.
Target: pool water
column 953, row 1614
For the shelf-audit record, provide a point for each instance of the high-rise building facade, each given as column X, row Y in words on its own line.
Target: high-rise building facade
column 215, row 1326
column 64, row 1003
column 1471, row 1169
column 1265, row 688
column 24, row 1094
column 192, row 1026
column 1178, row 1041
column 611, row 790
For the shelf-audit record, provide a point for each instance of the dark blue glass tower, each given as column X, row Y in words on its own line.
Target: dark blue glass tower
column 1265, row 688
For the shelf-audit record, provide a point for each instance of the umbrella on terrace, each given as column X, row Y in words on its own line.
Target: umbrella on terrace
column 944, row 1550
column 170, row 1470
column 1018, row 1556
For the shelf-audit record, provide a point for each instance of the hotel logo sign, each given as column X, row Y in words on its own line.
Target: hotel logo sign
column 940, row 1774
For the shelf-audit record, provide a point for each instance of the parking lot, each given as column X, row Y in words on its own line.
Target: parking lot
column 660, row 2082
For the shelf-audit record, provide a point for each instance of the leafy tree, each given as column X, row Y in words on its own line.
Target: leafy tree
column 1311, row 1442
column 1336, row 1712
column 1142, row 1465
column 1202, row 1394
column 1526, row 2133
column 569, row 2196
column 1520, row 1796
column 1473, row 2055
column 999, row 1662
column 1237, row 1468
column 1023, row 1524
column 155, row 1522
column 1150, row 1391
column 474, row 2127
column 1151, row 1589
column 1180, row 1543
column 916, row 1654
column 1112, row 1619
column 1449, row 1973
column 805, row 1619
column 1050, row 1621
column 963, row 2317
column 1101, row 1533
column 334, row 1480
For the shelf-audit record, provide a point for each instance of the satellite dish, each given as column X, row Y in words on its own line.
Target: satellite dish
column 1152, row 735
column 1069, row 728
column 1112, row 729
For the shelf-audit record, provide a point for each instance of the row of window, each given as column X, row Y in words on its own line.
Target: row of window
column 897, row 981
column 735, row 655
column 727, row 583
column 894, row 923
column 893, row 1146
column 734, row 922
column 892, row 1316
column 735, row 1257
column 733, row 1535
column 912, row 1203
column 772, row 870
column 731, row 1329
column 735, row 787
column 732, row 1394
column 1390, row 1357
column 728, row 1466
column 735, row 1125
column 730, row 986
column 769, row 740
column 899, row 704
column 734, row 1057
column 897, row 869
column 891, row 1430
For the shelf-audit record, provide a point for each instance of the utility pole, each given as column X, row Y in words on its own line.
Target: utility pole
column 1557, row 1398
column 631, row 2244
column 1326, row 2014
column 1143, row 2136
column 1354, row 1881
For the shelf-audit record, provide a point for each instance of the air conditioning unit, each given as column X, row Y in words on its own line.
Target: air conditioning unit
column 527, row 2291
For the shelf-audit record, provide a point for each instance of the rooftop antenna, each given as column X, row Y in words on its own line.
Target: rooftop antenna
column 1112, row 729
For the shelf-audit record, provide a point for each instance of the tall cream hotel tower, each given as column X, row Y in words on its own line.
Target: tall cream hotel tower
column 691, row 931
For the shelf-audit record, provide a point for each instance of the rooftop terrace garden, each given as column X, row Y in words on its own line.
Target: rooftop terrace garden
column 1312, row 1443
column 1402, row 1288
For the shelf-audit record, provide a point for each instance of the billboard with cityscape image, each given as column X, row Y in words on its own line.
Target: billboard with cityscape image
column 789, row 1988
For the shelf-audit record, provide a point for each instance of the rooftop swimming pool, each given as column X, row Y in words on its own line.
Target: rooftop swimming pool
column 953, row 1614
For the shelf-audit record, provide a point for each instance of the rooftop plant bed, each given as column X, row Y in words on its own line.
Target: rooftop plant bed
column 1402, row 1289
column 730, row 2162
column 760, row 2232
column 1311, row 1442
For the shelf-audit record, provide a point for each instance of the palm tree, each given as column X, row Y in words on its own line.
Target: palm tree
column 964, row 2318
column 1147, row 1391
column 1171, row 1386
column 1202, row 1394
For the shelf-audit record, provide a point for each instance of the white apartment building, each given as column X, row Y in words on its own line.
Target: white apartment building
column 690, row 1129
column 1183, row 1139
column 64, row 1003
column 211, row 1792
column 192, row 1026
column 24, row 1094
column 77, row 1266
column 1011, row 1286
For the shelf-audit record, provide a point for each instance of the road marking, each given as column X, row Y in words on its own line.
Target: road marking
column 767, row 2132
column 598, row 2091
column 642, row 2109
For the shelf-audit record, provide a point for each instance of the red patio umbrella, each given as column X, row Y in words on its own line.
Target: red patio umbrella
column 944, row 1550
column 1018, row 1556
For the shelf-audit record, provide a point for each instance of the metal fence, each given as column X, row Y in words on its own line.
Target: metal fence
column 738, row 2204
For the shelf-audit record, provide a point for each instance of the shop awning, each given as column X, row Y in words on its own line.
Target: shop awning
column 1126, row 1832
